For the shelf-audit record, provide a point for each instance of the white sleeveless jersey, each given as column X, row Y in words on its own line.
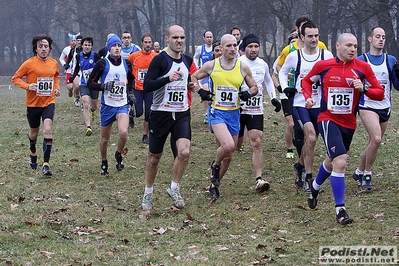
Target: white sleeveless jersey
column 117, row 97
column 307, row 62
column 382, row 74
column 173, row 96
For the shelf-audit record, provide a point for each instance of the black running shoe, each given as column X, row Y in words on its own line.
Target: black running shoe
column 33, row 161
column 119, row 163
column 214, row 191
column 343, row 218
column 366, row 182
column 215, row 178
column 358, row 179
column 104, row 168
column 312, row 200
column 46, row 170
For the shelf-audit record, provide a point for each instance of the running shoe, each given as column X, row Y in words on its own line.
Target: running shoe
column 104, row 168
column 88, row 131
column 119, row 163
column 215, row 171
column 215, row 192
column 46, row 170
column 146, row 202
column 77, row 102
column 366, row 182
column 241, row 149
column 177, row 199
column 206, row 119
column 33, row 161
column 312, row 200
column 358, row 179
column 343, row 217
column 290, row 155
column 145, row 139
column 262, row 185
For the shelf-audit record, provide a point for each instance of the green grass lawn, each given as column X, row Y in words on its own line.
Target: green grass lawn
column 79, row 217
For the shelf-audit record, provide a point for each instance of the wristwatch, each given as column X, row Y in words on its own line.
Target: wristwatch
column 365, row 88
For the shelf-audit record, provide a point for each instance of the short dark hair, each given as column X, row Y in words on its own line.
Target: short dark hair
column 146, row 35
column 309, row 25
column 87, row 39
column 126, row 31
column 234, row 28
column 206, row 32
column 301, row 20
column 38, row 38
column 372, row 30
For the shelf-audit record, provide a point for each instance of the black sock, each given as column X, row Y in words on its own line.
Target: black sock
column 32, row 145
column 47, row 146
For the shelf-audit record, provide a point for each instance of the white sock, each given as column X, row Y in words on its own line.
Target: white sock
column 174, row 186
column 339, row 208
column 367, row 172
column 358, row 172
column 148, row 190
column 315, row 185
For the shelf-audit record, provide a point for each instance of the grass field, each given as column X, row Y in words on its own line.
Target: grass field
column 79, row 217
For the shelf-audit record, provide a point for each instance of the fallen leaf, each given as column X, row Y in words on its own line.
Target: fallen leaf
column 378, row 215
column 47, row 254
column 159, row 231
column 260, row 246
column 222, row 248
column 30, row 223
column 14, row 207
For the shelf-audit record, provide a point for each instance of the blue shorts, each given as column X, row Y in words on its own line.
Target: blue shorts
column 383, row 114
column 231, row 118
column 337, row 139
column 304, row 115
column 86, row 91
column 108, row 113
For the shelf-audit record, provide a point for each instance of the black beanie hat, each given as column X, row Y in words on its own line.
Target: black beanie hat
column 250, row 38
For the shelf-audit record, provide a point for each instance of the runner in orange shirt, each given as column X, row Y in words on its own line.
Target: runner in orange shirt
column 42, row 86
column 140, row 61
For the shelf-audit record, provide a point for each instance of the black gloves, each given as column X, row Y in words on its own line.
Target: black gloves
column 279, row 89
column 70, row 79
column 108, row 86
column 205, row 95
column 290, row 92
column 244, row 95
column 66, row 66
column 131, row 99
column 396, row 70
column 276, row 104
